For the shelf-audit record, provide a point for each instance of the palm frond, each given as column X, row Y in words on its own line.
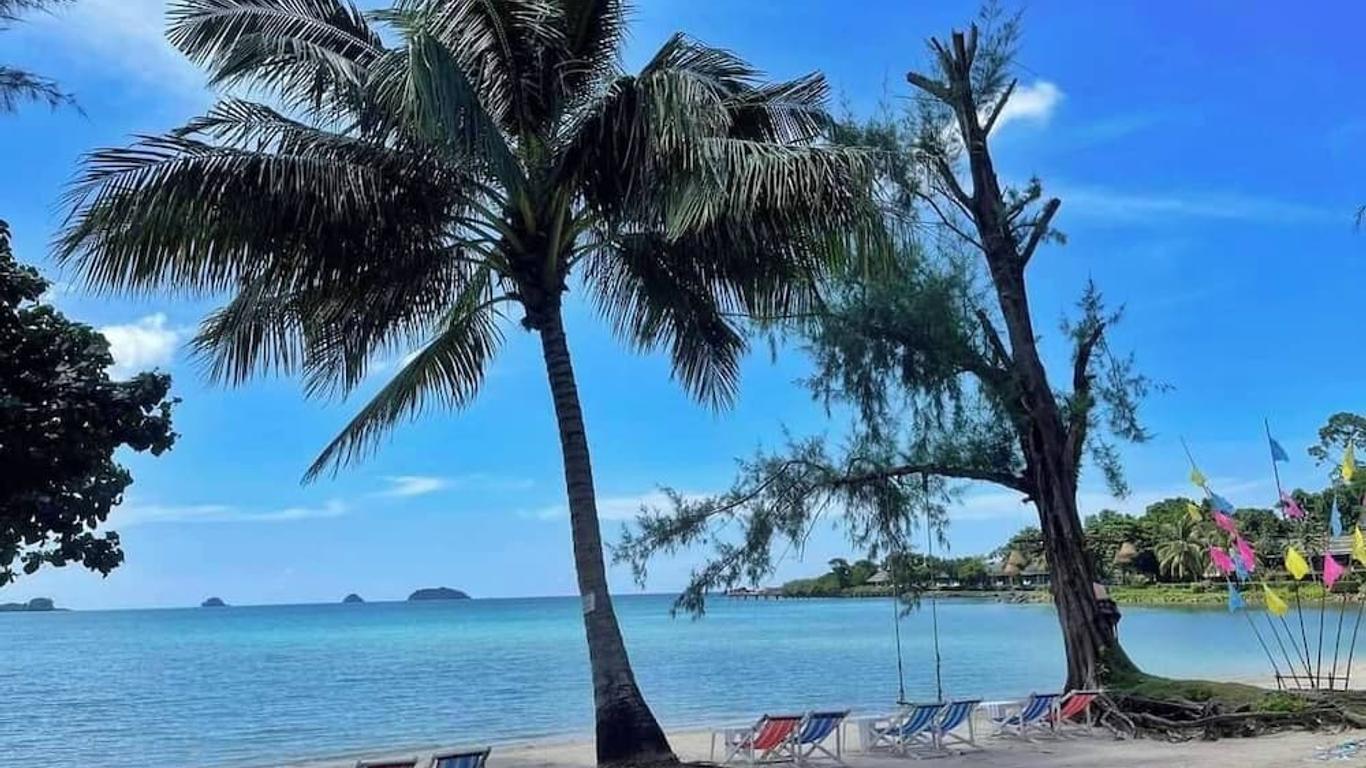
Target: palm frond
column 179, row 212
column 660, row 293
column 306, row 52
column 447, row 372
column 594, row 32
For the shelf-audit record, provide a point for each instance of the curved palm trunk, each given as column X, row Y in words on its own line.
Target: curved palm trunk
column 627, row 731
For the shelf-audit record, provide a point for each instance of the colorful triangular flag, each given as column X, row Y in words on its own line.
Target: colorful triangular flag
column 1274, row 603
column 1220, row 503
column 1240, row 569
column 1349, row 463
column 1277, row 452
column 1245, row 554
column 1293, row 510
column 1192, row 511
column 1332, row 571
column 1334, row 518
column 1235, row 599
column 1358, row 546
column 1221, row 560
column 1198, row 477
column 1225, row 522
column 1296, row 564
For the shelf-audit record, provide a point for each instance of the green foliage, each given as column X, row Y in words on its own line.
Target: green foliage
column 1336, row 434
column 1182, row 546
column 61, row 421
column 17, row 85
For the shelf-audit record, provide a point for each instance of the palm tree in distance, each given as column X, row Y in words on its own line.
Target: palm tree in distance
column 18, row 85
column 1182, row 548
column 406, row 190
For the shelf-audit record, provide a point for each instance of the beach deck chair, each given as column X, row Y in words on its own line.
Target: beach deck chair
column 910, row 730
column 772, row 738
column 956, row 714
column 1074, row 712
column 470, row 758
column 815, row 729
column 1033, row 716
column 396, row 762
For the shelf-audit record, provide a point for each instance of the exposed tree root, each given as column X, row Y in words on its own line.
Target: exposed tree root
column 1177, row 719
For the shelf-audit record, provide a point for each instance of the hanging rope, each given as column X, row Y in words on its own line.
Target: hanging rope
column 934, row 601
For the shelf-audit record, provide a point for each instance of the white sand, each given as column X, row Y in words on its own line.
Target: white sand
column 1280, row 750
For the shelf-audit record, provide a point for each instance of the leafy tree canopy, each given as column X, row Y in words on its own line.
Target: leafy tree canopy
column 61, row 421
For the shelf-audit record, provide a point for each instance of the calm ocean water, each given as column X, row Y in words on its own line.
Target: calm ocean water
column 258, row 686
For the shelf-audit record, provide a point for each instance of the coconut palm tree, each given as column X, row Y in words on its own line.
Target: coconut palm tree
column 407, row 178
column 18, row 85
column 1182, row 548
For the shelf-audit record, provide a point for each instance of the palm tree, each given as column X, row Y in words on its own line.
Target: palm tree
column 18, row 85
column 413, row 187
column 1182, row 548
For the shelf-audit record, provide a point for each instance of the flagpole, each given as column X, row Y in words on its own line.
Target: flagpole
column 1289, row 665
column 1304, row 659
column 1351, row 649
column 1337, row 645
column 1275, row 470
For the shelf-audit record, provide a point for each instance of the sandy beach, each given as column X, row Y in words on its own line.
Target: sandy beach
column 1294, row 748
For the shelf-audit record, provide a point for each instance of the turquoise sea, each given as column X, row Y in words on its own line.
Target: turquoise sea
column 263, row 685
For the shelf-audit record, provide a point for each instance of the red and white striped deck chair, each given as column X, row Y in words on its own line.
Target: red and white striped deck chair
column 771, row 739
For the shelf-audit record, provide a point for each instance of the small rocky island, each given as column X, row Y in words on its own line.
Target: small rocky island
column 353, row 598
column 36, row 604
column 437, row 593
column 213, row 602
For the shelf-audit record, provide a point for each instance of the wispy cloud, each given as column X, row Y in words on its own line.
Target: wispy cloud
column 136, row 514
column 143, row 344
column 130, row 36
column 1120, row 205
column 403, row 486
column 615, row 507
column 1033, row 103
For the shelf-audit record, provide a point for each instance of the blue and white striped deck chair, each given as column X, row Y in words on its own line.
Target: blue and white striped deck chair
column 393, row 762
column 465, row 759
column 911, row 729
column 955, row 715
column 1033, row 716
column 815, row 729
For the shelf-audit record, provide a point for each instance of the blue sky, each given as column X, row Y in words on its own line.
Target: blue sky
column 1209, row 160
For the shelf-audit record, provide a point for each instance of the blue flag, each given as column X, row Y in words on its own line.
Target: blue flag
column 1334, row 519
column 1235, row 599
column 1277, row 452
column 1220, row 503
column 1240, row 568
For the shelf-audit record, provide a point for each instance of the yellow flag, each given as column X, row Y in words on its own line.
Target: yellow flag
column 1198, row 477
column 1193, row 511
column 1349, row 463
column 1295, row 563
column 1359, row 546
column 1274, row 603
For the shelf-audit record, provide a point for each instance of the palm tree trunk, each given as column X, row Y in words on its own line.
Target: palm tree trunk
column 627, row 731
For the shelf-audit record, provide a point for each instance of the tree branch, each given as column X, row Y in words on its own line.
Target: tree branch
column 1081, row 393
column 1041, row 225
column 1000, row 105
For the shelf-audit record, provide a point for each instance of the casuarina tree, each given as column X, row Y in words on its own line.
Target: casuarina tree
column 61, row 421
column 411, row 177
column 938, row 360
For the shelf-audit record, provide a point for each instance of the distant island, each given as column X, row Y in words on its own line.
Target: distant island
column 213, row 602
column 36, row 604
column 353, row 598
column 438, row 593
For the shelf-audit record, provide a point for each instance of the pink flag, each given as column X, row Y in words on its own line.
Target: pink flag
column 1331, row 571
column 1221, row 560
column 1245, row 552
column 1224, row 521
column 1292, row 508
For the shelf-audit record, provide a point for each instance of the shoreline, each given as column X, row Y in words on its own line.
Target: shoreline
column 1268, row 751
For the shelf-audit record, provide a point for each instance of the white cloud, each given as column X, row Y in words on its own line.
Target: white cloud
column 1033, row 103
column 129, row 35
column 616, row 507
column 1105, row 203
column 135, row 514
column 413, row 485
column 137, row 346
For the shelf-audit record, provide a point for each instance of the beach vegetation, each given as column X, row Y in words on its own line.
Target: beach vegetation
column 62, row 422
column 20, row 85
